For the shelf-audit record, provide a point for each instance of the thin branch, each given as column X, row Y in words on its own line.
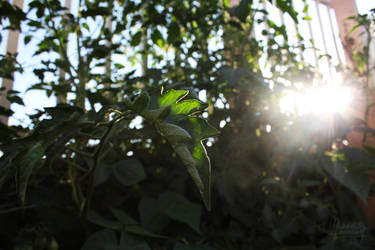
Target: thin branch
column 61, row 43
column 75, row 165
column 80, row 152
column 90, row 190
column 15, row 209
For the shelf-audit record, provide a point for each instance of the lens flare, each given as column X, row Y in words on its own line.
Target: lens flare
column 327, row 99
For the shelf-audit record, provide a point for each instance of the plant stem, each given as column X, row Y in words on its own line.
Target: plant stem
column 90, row 190
column 15, row 209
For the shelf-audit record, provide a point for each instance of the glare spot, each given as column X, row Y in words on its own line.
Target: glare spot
column 203, row 95
column 298, row 85
column 319, row 100
column 268, row 128
column 210, row 142
column 136, row 140
column 112, row 116
column 97, row 107
column 130, row 153
column 136, row 123
column 93, row 142
column 219, row 104
column 222, row 124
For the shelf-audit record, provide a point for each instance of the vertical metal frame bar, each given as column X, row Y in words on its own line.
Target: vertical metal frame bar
column 333, row 34
column 60, row 99
column 312, row 38
column 12, row 47
column 323, row 36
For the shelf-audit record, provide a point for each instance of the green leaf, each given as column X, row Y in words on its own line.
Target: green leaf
column 86, row 26
column 178, row 208
column 141, row 102
column 99, row 220
column 26, row 166
column 150, row 216
column 107, row 240
column 355, row 27
column 157, row 114
column 27, row 39
column 191, row 152
column 160, row 43
column 119, row 65
column 199, row 129
column 306, row 8
column 180, row 246
column 123, row 217
column 183, row 152
column 100, row 240
column 243, row 10
column 226, row 3
column 129, row 172
column 129, row 242
column 370, row 150
column 132, row 226
column 157, row 38
column 179, row 106
column 306, row 247
column 5, row 112
column 187, row 107
column 356, row 181
column 359, row 160
column 174, row 133
column 102, row 173
column 172, row 97
column 287, row 6
column 174, row 33
column 15, row 99
column 136, row 39
column 92, row 11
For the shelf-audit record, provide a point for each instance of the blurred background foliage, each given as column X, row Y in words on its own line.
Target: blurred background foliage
column 104, row 169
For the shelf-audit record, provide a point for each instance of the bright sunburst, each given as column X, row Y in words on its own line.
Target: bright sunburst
column 326, row 99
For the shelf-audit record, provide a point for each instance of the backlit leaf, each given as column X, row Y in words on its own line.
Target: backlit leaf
column 173, row 132
column 171, row 97
column 356, row 181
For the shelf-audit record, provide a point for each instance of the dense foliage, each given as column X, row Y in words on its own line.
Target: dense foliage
column 121, row 162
